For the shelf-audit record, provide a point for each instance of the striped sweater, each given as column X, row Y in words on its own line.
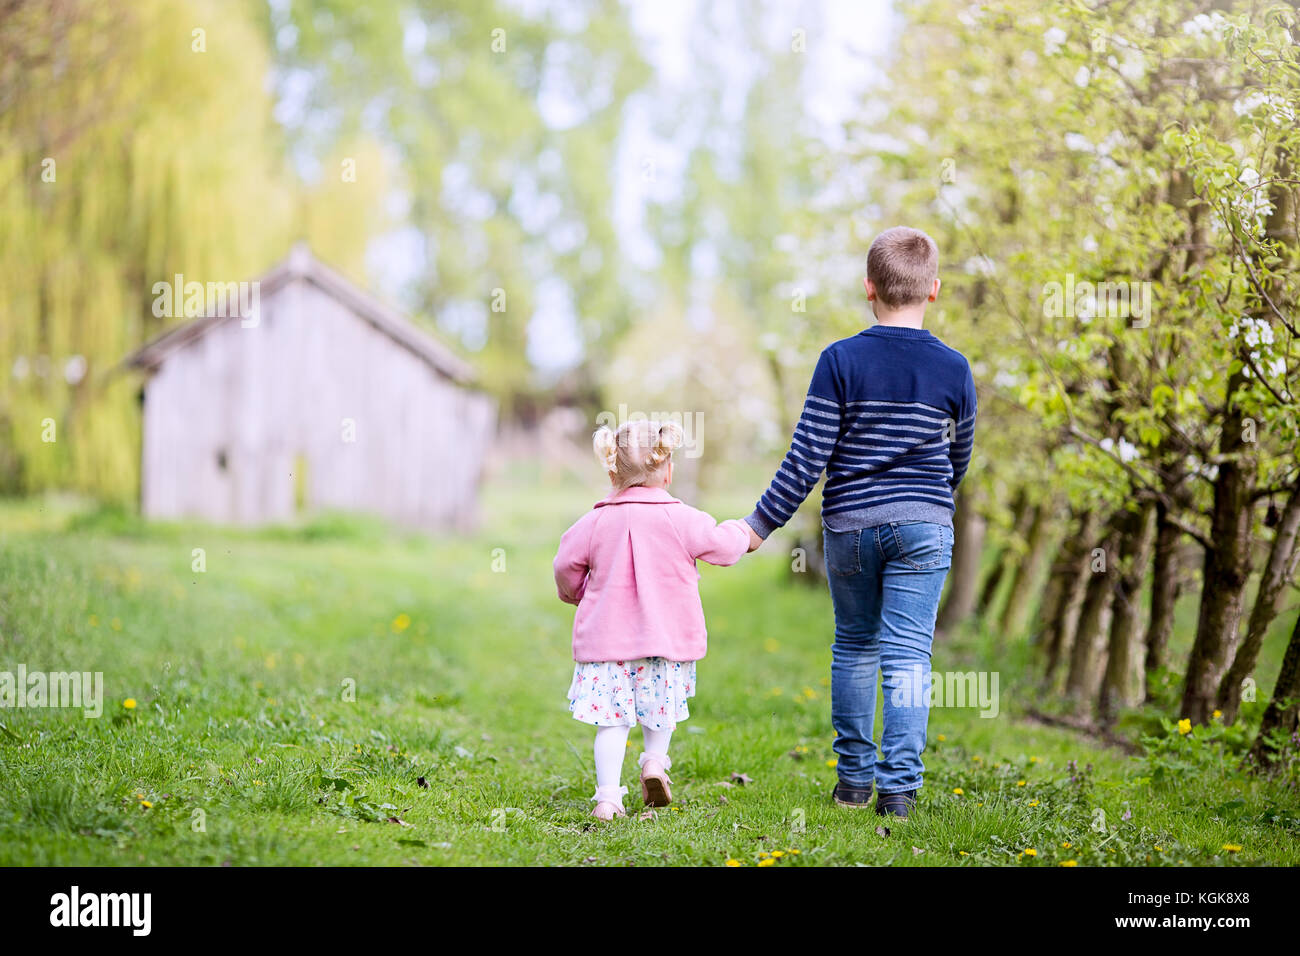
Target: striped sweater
column 890, row 418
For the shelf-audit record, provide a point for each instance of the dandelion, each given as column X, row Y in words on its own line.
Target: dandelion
column 832, row 762
column 764, row 855
column 1069, row 863
column 734, row 863
column 129, row 703
column 1232, row 847
column 146, row 804
column 768, row 862
column 777, row 854
column 959, row 791
column 1033, row 760
column 1185, row 726
column 401, row 623
column 1033, row 803
column 1065, row 845
column 962, row 853
column 1020, row 783
column 1217, row 714
column 1031, row 852
column 771, row 645
column 941, row 737
column 977, row 758
column 793, row 852
column 1159, row 848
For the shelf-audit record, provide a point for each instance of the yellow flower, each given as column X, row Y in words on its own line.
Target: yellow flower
column 1069, row 863
column 401, row 623
column 146, row 804
column 139, row 796
column 771, row 645
column 1232, row 847
column 1065, row 845
column 962, row 853
column 980, row 804
column 1030, row 851
column 1217, row 714
column 116, row 624
column 129, row 703
column 764, row 855
column 734, row 863
column 799, row 748
column 832, row 762
column 958, row 790
column 942, row 737
column 1020, row 783
column 1185, row 726
column 768, row 862
column 776, row 692
column 1033, row 803
column 1033, row 760
column 977, row 758
column 793, row 852
column 1159, row 848
column 777, row 854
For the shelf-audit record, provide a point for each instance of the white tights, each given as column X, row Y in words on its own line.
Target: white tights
column 611, row 743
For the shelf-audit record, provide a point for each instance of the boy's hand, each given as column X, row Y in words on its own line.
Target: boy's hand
column 755, row 542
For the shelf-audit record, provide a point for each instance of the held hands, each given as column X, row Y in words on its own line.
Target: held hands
column 754, row 540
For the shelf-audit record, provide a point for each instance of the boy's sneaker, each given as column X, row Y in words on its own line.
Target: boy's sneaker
column 896, row 804
column 847, row 795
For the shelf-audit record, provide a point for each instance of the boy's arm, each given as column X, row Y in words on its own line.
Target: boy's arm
column 963, row 441
column 814, row 439
column 573, row 560
column 722, row 543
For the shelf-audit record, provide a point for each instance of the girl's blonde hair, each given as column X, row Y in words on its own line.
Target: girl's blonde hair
column 638, row 451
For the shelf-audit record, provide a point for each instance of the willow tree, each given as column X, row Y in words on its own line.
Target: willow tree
column 154, row 155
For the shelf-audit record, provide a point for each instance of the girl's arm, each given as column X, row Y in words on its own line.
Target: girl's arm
column 573, row 560
column 707, row 540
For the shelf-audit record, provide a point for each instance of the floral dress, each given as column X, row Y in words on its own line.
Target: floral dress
column 651, row 691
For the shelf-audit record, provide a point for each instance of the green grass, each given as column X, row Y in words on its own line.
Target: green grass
column 248, row 753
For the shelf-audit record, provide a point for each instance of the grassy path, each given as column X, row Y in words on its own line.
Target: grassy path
column 242, row 747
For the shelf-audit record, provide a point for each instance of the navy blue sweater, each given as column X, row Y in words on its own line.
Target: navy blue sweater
column 890, row 418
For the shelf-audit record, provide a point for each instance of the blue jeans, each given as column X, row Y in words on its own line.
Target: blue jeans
column 885, row 584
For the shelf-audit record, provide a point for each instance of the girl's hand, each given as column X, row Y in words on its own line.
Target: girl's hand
column 755, row 542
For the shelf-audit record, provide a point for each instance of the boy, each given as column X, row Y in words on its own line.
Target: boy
column 890, row 417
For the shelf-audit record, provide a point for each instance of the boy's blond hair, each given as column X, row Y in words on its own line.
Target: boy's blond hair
column 639, row 451
column 902, row 264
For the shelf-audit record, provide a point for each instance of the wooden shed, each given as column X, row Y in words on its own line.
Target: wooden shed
column 326, row 399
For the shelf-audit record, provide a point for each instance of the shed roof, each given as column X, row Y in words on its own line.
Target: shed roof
column 301, row 264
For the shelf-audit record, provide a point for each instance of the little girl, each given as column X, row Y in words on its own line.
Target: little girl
column 629, row 566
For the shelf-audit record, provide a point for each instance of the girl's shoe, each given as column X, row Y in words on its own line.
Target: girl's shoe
column 654, row 779
column 609, row 803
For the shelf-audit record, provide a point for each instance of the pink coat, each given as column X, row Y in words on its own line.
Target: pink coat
column 629, row 565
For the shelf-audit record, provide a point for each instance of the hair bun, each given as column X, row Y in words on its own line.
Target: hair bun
column 668, row 437
column 605, row 445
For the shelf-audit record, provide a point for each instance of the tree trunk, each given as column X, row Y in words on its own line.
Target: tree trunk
column 1166, row 582
column 963, row 580
column 1021, row 516
column 1087, row 649
column 1283, row 711
column 1226, row 571
column 1278, row 573
column 1066, row 591
column 1227, row 563
column 1019, row 606
column 1132, row 559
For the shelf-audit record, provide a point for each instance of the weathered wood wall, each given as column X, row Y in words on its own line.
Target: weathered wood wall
column 269, row 397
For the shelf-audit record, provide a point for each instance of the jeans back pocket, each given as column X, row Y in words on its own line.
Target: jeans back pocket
column 923, row 545
column 843, row 554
